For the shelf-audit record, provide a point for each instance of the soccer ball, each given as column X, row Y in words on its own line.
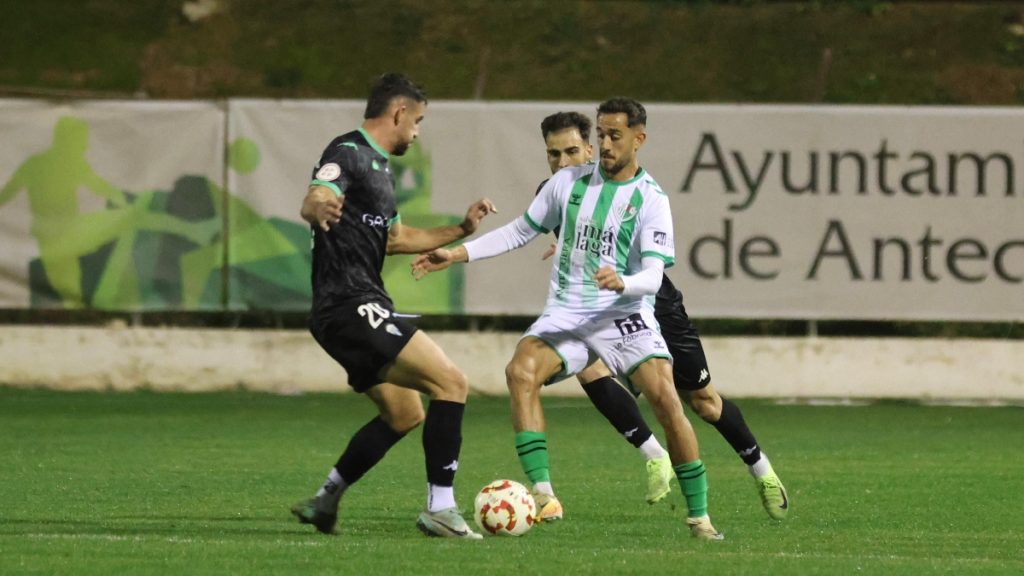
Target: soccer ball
column 505, row 507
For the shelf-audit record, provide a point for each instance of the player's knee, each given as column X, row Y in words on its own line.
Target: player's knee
column 519, row 376
column 408, row 418
column 704, row 405
column 454, row 382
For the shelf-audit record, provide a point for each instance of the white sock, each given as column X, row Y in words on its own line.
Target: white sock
column 440, row 497
column 330, row 493
column 652, row 449
column 544, row 488
column 761, row 468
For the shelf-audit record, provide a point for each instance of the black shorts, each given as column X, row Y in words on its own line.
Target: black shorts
column 689, row 366
column 362, row 336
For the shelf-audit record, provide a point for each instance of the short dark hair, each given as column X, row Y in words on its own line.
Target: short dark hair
column 388, row 87
column 634, row 111
column 563, row 120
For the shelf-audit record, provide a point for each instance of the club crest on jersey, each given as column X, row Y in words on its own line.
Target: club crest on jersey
column 328, row 172
column 626, row 212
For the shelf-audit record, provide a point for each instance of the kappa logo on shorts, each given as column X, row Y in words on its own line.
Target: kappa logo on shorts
column 392, row 329
column 631, row 324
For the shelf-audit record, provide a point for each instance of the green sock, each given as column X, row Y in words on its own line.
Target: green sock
column 693, row 479
column 532, row 448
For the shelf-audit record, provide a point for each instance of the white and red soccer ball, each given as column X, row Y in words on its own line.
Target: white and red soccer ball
column 505, row 508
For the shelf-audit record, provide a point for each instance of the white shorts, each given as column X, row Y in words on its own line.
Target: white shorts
column 622, row 339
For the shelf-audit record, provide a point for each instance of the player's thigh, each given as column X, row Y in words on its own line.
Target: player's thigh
column 400, row 408
column 550, row 350
column 689, row 363
column 595, row 371
column 653, row 377
column 423, row 366
column 534, row 362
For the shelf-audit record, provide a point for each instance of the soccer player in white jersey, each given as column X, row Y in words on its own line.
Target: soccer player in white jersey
column 567, row 143
column 566, row 140
column 615, row 241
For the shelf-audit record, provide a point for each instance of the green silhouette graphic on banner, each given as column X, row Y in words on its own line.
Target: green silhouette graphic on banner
column 69, row 240
column 167, row 250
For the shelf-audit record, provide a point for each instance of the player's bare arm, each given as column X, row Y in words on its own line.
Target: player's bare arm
column 408, row 240
column 321, row 207
column 437, row 260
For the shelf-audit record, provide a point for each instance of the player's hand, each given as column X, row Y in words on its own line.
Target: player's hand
column 323, row 210
column 608, row 279
column 477, row 211
column 433, row 261
column 548, row 253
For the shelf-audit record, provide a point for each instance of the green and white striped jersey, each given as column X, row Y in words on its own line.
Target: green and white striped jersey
column 603, row 223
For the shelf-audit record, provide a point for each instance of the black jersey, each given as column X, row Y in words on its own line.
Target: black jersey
column 347, row 259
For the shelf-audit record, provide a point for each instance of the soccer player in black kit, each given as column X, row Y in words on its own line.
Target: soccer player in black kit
column 352, row 211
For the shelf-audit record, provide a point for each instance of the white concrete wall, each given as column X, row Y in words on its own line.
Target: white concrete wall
column 124, row 358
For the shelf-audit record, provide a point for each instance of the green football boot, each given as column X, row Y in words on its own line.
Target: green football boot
column 773, row 495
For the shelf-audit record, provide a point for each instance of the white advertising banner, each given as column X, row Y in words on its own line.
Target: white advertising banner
column 779, row 211
column 820, row 212
column 109, row 205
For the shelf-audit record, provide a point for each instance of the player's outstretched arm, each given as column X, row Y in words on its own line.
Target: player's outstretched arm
column 408, row 240
column 515, row 234
column 437, row 260
column 321, row 207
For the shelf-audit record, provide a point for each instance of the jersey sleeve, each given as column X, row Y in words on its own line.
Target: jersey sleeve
column 339, row 166
column 545, row 212
column 656, row 235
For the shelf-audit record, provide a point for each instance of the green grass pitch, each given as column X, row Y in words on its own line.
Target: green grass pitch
column 146, row 483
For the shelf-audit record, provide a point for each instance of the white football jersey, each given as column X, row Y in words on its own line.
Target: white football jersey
column 603, row 223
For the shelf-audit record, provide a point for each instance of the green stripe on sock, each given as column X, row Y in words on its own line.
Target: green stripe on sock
column 693, row 479
column 532, row 448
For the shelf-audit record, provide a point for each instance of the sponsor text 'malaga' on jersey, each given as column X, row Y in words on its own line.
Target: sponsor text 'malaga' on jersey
column 347, row 259
column 668, row 300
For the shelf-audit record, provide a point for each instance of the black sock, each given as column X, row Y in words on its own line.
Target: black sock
column 365, row 449
column 442, row 441
column 733, row 428
column 620, row 408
